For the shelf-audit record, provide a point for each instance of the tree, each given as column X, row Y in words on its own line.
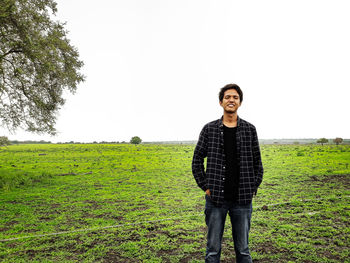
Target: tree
column 135, row 140
column 338, row 140
column 4, row 141
column 322, row 141
column 37, row 64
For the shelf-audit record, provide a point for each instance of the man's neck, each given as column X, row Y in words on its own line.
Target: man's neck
column 230, row 119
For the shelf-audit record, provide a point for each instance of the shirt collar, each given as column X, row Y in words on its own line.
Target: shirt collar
column 221, row 125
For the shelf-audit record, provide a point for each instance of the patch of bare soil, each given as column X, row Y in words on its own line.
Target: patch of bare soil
column 342, row 179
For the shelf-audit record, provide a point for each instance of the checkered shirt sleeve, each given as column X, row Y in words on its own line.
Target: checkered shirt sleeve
column 200, row 153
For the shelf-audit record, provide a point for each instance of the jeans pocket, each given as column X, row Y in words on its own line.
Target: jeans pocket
column 208, row 202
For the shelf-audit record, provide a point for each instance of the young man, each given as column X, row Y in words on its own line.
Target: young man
column 233, row 174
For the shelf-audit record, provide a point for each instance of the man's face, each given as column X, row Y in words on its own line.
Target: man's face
column 231, row 101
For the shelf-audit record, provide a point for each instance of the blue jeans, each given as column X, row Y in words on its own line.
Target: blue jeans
column 215, row 217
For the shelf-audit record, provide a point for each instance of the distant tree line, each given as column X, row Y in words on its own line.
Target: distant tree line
column 322, row 141
column 8, row 142
column 4, row 141
column 30, row 142
column 94, row 142
column 337, row 140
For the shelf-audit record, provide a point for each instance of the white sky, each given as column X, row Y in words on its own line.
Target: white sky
column 154, row 68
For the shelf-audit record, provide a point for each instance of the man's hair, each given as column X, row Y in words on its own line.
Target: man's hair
column 231, row 86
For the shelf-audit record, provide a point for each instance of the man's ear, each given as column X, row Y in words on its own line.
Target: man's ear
column 220, row 102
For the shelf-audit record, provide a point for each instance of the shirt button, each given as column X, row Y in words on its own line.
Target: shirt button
column 223, row 167
column 223, row 178
column 222, row 191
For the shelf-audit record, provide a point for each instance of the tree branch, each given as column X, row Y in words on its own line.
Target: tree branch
column 12, row 50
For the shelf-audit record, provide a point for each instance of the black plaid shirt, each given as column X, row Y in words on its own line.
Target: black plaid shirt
column 211, row 146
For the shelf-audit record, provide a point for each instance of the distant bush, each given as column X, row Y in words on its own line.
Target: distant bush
column 322, row 141
column 135, row 140
column 4, row 141
column 338, row 140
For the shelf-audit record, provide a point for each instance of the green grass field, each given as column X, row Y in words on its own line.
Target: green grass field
column 127, row 203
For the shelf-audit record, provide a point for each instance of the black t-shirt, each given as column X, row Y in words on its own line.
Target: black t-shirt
column 232, row 172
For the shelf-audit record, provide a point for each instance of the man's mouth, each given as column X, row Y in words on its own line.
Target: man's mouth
column 231, row 105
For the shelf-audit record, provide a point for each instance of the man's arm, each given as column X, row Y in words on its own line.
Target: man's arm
column 258, row 167
column 199, row 154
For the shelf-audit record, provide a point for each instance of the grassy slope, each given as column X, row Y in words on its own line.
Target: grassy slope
column 53, row 188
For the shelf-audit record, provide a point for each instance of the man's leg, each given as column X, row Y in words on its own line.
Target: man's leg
column 215, row 220
column 240, row 220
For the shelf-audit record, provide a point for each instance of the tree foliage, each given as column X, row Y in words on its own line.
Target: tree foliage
column 322, row 141
column 4, row 141
column 338, row 140
column 37, row 64
column 135, row 140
